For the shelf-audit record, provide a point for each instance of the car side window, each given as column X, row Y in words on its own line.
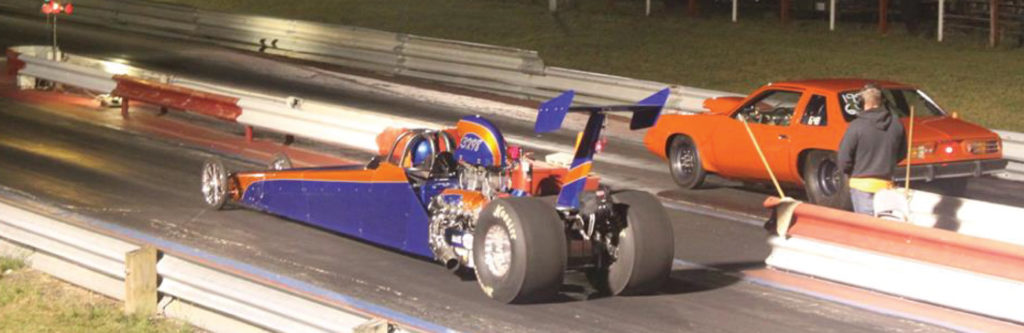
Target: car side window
column 773, row 107
column 816, row 112
column 851, row 104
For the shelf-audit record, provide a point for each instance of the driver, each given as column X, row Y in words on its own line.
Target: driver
column 421, row 153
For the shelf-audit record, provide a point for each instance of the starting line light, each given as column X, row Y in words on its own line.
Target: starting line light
column 53, row 7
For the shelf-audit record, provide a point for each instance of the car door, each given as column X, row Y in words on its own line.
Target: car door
column 769, row 116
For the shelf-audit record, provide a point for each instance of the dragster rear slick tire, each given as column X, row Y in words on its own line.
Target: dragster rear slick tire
column 535, row 238
column 646, row 247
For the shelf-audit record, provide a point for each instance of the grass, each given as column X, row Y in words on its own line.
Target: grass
column 31, row 301
column 984, row 85
column 7, row 263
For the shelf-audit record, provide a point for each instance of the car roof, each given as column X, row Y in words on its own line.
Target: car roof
column 837, row 85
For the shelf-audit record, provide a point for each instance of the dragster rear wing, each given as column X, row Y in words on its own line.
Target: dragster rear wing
column 551, row 115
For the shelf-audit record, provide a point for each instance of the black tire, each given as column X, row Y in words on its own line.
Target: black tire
column 280, row 162
column 825, row 183
column 537, row 246
column 684, row 163
column 952, row 186
column 646, row 247
column 214, row 184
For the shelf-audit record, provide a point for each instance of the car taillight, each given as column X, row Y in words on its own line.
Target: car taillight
column 979, row 147
column 920, row 150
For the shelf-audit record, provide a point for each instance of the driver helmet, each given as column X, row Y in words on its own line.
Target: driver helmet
column 421, row 152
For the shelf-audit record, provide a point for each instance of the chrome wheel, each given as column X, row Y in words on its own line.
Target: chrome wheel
column 214, row 184
column 684, row 161
column 497, row 251
column 280, row 162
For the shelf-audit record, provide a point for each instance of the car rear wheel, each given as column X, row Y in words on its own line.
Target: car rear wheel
column 824, row 182
column 214, row 184
column 519, row 250
column 684, row 163
column 645, row 249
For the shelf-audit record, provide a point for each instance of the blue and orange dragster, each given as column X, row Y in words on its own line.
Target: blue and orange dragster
column 467, row 199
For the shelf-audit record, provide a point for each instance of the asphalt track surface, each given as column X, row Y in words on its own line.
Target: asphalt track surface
column 152, row 185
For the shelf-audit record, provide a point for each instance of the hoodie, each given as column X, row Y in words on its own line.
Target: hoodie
column 873, row 145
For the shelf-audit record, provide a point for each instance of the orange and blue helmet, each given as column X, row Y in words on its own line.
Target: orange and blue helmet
column 480, row 143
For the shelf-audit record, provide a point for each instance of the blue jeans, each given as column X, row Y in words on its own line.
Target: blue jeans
column 863, row 202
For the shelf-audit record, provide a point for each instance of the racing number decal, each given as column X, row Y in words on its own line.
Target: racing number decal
column 851, row 103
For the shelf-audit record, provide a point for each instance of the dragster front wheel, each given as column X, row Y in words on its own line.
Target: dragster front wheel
column 519, row 250
column 214, row 184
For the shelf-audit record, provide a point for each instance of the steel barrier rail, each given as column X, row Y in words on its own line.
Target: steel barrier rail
column 310, row 119
column 314, row 120
column 924, row 281
column 67, row 252
column 210, row 292
column 907, row 240
column 172, row 96
column 251, row 302
column 892, row 256
column 1013, row 151
column 83, row 72
column 967, row 217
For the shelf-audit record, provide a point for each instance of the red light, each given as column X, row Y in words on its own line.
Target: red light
column 514, row 152
column 47, row 9
column 599, row 145
column 68, row 8
column 56, row 7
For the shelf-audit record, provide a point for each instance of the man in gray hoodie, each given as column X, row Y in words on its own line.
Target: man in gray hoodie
column 872, row 146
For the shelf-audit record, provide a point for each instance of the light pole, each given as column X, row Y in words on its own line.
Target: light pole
column 54, row 8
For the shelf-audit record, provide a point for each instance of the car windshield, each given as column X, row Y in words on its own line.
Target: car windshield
column 897, row 100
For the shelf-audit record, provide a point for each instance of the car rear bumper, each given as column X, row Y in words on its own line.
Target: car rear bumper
column 929, row 172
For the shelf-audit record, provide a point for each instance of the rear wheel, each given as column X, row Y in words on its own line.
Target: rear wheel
column 684, row 163
column 825, row 183
column 214, row 184
column 519, row 250
column 645, row 250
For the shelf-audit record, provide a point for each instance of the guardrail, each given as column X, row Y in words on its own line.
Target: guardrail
column 283, row 114
column 210, row 292
column 1013, row 151
column 501, row 70
column 933, row 265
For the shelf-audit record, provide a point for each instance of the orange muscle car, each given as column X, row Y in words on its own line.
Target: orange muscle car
column 799, row 124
